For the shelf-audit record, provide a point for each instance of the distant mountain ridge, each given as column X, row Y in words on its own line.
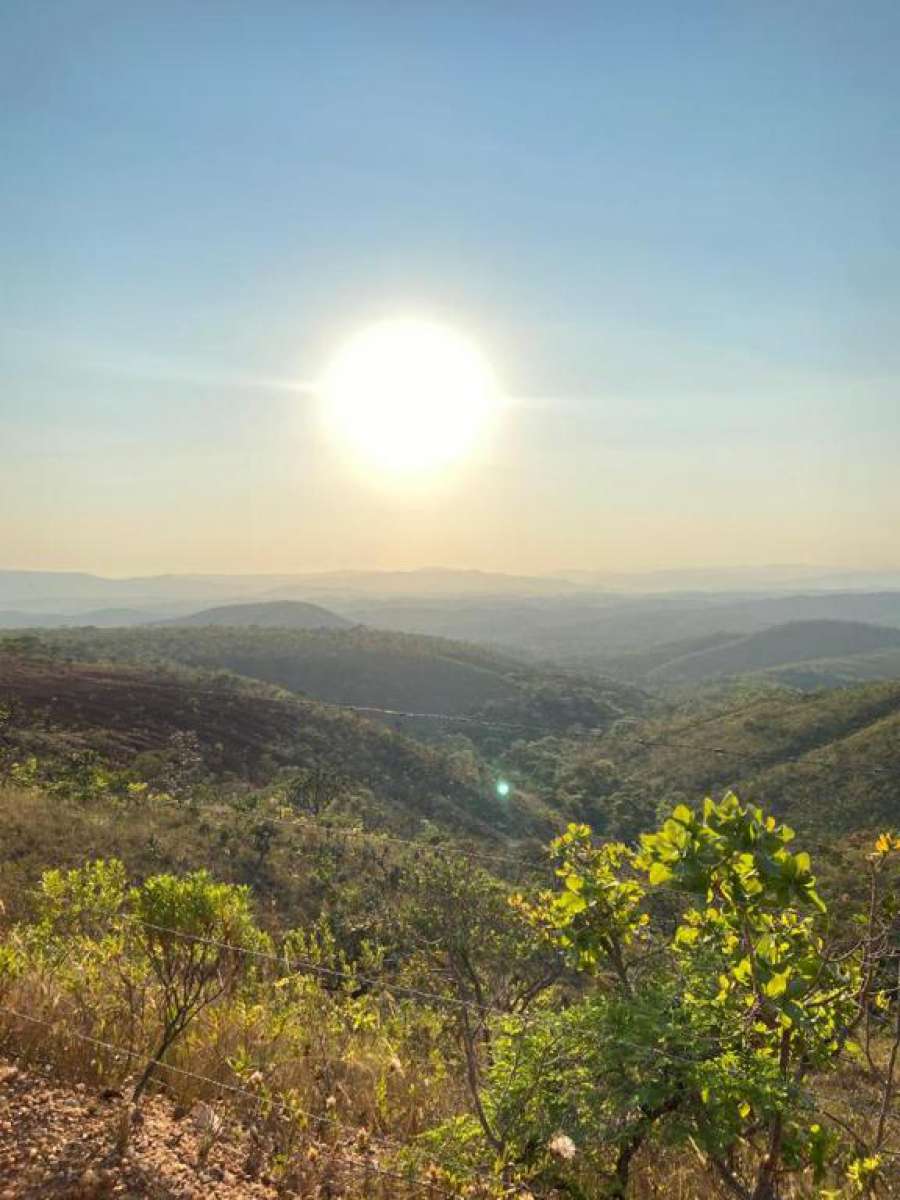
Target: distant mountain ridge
column 774, row 578
column 274, row 614
column 55, row 591
column 429, row 582
column 576, row 625
column 588, row 630
column 12, row 618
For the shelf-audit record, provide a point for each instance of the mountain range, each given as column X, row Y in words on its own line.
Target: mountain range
column 810, row 637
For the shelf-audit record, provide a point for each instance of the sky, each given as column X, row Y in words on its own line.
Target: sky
column 672, row 229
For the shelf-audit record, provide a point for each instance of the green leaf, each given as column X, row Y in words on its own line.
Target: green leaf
column 777, row 985
column 686, row 935
column 571, row 903
column 815, row 899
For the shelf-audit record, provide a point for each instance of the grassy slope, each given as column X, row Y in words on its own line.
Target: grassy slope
column 828, row 761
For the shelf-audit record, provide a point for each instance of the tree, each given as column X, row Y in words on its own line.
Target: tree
column 779, row 1001
column 312, row 789
column 195, row 934
column 709, row 999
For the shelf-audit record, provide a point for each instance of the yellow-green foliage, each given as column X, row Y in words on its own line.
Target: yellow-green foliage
column 673, row 1013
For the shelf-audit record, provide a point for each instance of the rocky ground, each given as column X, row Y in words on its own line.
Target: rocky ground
column 62, row 1142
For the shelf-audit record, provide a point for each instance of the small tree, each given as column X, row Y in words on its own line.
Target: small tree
column 194, row 933
column 709, row 1000
column 312, row 789
column 755, row 965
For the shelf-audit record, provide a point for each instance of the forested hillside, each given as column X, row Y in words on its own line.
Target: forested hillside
column 779, row 648
column 828, row 761
column 365, row 667
column 798, row 654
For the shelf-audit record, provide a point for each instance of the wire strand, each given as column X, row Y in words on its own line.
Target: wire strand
column 307, row 964
column 234, row 1089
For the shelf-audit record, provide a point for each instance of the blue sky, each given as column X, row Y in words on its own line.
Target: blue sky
column 673, row 229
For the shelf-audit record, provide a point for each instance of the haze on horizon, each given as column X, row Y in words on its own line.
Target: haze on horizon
column 671, row 231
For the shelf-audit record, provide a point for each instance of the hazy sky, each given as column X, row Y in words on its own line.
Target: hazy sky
column 674, row 229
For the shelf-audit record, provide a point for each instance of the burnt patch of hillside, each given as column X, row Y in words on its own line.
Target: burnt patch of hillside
column 250, row 732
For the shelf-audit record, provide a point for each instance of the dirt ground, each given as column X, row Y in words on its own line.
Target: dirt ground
column 61, row 1142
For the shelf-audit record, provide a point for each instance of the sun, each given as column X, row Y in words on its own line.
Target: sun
column 409, row 395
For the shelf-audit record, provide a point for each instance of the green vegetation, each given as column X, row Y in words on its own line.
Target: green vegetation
column 711, row 1045
column 824, row 761
column 802, row 654
column 677, row 1013
column 351, row 941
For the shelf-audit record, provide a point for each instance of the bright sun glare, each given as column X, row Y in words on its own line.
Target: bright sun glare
column 409, row 395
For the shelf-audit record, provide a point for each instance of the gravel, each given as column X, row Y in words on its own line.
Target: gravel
column 62, row 1142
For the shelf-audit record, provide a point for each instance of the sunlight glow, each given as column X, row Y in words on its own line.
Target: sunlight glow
column 409, row 395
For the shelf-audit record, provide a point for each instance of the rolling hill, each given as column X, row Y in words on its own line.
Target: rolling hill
column 276, row 614
column 12, row 618
column 827, row 761
column 590, row 629
column 249, row 734
column 778, row 647
column 366, row 667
